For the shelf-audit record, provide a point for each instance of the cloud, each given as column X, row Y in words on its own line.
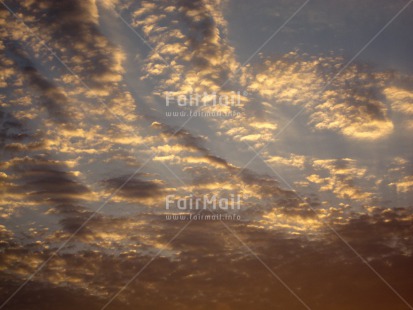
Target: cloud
column 52, row 97
column 293, row 160
column 135, row 189
column 301, row 263
column 341, row 179
column 352, row 103
column 191, row 37
column 90, row 53
column 404, row 184
column 401, row 99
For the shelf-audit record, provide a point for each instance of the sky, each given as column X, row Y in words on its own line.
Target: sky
column 206, row 154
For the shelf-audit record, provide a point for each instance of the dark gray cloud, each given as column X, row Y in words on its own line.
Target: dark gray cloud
column 11, row 129
column 45, row 180
column 76, row 23
column 51, row 97
column 134, row 188
column 321, row 272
